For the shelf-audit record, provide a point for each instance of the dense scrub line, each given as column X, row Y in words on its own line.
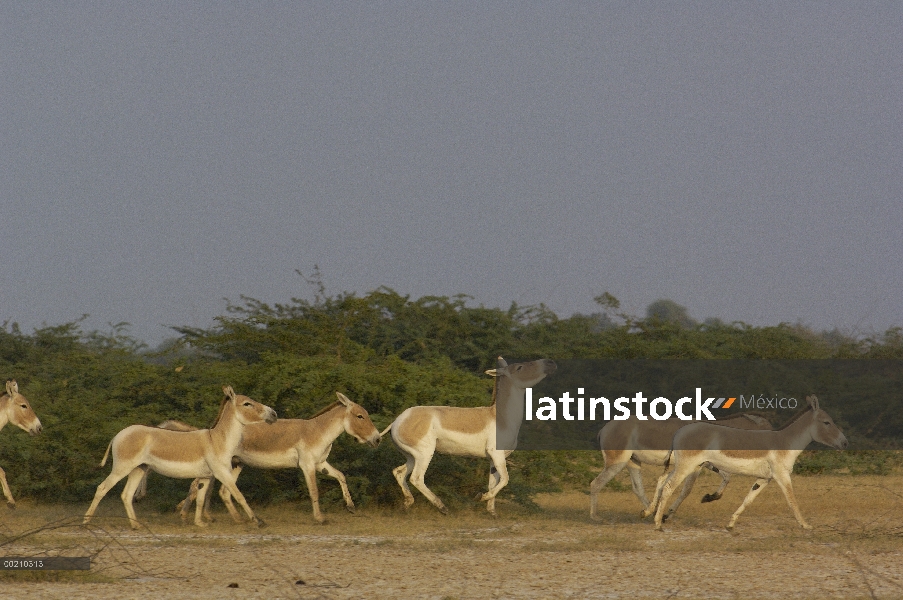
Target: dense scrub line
column 383, row 350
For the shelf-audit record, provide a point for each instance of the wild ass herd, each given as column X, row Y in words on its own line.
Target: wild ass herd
column 249, row 433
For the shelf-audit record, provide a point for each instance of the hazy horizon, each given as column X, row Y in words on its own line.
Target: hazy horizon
column 743, row 161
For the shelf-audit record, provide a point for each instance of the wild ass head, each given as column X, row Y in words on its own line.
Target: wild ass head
column 18, row 410
column 522, row 375
column 248, row 411
column 357, row 422
column 823, row 429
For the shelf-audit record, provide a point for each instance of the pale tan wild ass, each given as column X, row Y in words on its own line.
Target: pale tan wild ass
column 304, row 444
column 15, row 409
column 765, row 455
column 203, row 453
column 633, row 442
column 420, row 431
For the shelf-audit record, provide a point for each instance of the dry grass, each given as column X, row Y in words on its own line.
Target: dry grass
column 856, row 549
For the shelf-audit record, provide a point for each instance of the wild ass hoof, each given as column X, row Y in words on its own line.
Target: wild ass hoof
column 710, row 498
column 201, row 524
column 11, row 505
column 665, row 517
column 729, row 526
column 349, row 508
column 645, row 513
column 806, row 526
column 260, row 523
column 442, row 509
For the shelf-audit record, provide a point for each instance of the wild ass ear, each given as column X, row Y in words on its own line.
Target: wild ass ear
column 343, row 399
column 12, row 388
column 813, row 401
column 229, row 392
column 493, row 372
column 500, row 363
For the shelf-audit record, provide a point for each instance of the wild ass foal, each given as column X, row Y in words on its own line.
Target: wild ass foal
column 766, row 455
column 201, row 453
column 304, row 444
column 15, row 409
column 633, row 442
column 420, row 431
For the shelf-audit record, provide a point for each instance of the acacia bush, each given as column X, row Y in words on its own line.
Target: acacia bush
column 383, row 350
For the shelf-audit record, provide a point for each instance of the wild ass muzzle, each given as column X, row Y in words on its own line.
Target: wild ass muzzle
column 420, row 431
column 304, row 444
column 15, row 409
column 765, row 455
column 203, row 453
column 633, row 442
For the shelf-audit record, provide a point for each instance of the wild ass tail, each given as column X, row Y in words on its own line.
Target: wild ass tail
column 386, row 430
column 106, row 454
column 668, row 459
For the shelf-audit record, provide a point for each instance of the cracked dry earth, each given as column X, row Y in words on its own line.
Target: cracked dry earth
column 855, row 550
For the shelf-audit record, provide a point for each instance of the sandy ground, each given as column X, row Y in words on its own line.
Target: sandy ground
column 855, row 550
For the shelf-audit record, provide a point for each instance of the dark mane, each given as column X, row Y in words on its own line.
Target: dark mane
column 219, row 415
column 795, row 418
column 323, row 411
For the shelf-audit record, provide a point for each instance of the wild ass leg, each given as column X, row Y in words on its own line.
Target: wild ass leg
column 783, row 481
column 224, row 475
column 600, row 482
column 128, row 493
column 498, row 461
column 141, row 490
column 8, row 494
column 105, row 486
column 227, row 497
column 494, row 479
column 203, row 495
column 185, row 505
column 420, row 467
column 310, row 476
column 656, row 497
column 327, row 468
column 685, row 490
column 401, row 476
column 757, row 487
column 674, row 479
column 725, row 479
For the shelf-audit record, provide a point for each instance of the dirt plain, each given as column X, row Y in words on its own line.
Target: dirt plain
column 854, row 551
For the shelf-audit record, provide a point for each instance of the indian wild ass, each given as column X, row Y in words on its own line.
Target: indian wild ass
column 203, row 453
column 421, row 431
column 15, row 409
column 304, row 444
column 765, row 455
column 633, row 442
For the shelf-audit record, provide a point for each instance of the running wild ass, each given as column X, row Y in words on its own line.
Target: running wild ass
column 420, row 431
column 765, row 455
column 633, row 442
column 301, row 443
column 203, row 453
column 15, row 409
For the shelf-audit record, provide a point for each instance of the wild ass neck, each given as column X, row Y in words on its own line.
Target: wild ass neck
column 5, row 401
column 331, row 423
column 227, row 431
column 797, row 434
column 508, row 411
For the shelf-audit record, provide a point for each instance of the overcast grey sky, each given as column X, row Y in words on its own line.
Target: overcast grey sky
column 742, row 159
